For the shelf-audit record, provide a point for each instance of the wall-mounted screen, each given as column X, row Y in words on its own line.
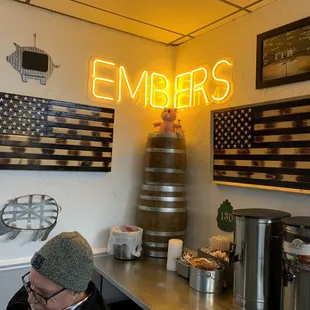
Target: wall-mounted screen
column 35, row 61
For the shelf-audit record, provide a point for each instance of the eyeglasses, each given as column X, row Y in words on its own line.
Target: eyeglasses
column 38, row 297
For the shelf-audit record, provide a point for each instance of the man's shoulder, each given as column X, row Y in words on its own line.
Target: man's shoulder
column 95, row 301
column 19, row 301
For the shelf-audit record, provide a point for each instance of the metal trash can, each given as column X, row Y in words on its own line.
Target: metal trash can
column 123, row 252
column 296, row 260
column 257, row 258
column 125, row 242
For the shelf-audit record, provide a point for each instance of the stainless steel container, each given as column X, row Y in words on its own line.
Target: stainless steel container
column 206, row 281
column 182, row 269
column 296, row 259
column 228, row 271
column 257, row 255
column 123, row 252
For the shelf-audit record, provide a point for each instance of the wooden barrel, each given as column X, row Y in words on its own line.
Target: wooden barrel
column 162, row 215
column 165, row 140
column 165, row 159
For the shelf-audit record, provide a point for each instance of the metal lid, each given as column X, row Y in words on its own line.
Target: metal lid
column 298, row 221
column 267, row 214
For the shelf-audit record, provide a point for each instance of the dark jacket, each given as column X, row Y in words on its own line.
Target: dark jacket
column 94, row 302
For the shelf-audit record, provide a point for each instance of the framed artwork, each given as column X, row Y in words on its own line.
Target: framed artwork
column 45, row 134
column 265, row 145
column 283, row 55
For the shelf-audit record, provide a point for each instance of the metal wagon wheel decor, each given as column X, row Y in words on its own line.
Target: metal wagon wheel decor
column 35, row 212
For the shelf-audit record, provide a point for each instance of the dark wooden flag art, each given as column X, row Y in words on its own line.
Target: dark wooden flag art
column 265, row 145
column 44, row 134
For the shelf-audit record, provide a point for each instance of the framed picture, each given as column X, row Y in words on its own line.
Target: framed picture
column 263, row 145
column 283, row 55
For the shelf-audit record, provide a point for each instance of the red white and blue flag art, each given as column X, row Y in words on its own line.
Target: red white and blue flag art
column 263, row 145
column 44, row 134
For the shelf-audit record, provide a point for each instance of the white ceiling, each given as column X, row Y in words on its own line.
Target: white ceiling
column 171, row 22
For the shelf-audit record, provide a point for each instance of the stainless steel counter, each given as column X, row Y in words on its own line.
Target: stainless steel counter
column 147, row 282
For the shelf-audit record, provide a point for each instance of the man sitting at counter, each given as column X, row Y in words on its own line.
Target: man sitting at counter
column 59, row 278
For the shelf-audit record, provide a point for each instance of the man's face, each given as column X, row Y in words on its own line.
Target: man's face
column 47, row 288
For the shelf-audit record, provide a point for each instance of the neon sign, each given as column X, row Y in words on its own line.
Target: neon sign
column 110, row 82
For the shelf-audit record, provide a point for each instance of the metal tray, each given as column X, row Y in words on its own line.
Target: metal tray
column 182, row 269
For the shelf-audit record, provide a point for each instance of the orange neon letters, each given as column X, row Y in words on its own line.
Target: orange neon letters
column 190, row 88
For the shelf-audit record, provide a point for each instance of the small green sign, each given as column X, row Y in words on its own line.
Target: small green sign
column 225, row 218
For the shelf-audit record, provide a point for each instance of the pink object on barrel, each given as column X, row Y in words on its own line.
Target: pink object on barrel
column 167, row 125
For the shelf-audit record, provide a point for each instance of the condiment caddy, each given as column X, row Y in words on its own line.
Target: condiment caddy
column 208, row 270
column 218, row 249
column 205, row 275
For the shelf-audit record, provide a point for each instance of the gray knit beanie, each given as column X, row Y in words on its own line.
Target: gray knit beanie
column 66, row 259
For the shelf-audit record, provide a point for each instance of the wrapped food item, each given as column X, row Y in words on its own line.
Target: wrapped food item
column 218, row 254
column 186, row 256
column 204, row 264
column 221, row 255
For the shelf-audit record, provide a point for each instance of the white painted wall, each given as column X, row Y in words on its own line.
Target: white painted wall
column 236, row 40
column 92, row 202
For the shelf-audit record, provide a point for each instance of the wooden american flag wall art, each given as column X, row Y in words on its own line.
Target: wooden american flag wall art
column 44, row 134
column 265, row 145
